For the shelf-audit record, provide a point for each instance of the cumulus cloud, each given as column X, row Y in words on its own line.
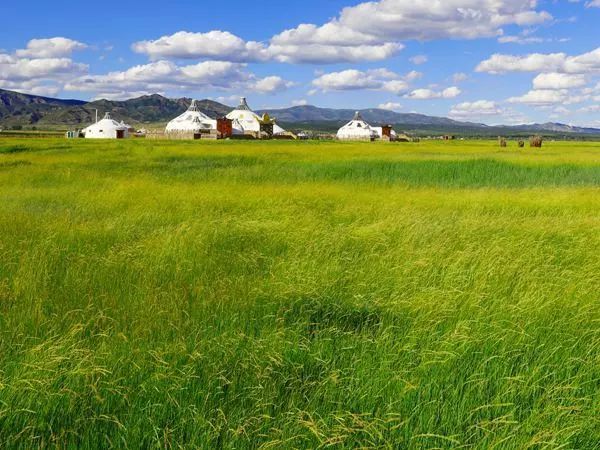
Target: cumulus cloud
column 390, row 106
column 396, row 20
column 225, row 46
column 419, row 59
column 14, row 68
column 543, row 63
column 377, row 79
column 166, row 75
column 429, row 94
column 216, row 44
column 50, row 48
column 542, row 97
column 302, row 102
column 270, row 85
column 459, row 77
column 558, row 81
column 478, row 108
column 369, row 31
column 328, row 54
column 593, row 4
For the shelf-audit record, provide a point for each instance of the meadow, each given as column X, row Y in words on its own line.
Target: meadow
column 299, row 295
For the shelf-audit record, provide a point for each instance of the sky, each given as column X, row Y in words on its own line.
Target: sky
column 489, row 61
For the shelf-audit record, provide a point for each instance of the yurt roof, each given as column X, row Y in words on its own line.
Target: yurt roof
column 192, row 119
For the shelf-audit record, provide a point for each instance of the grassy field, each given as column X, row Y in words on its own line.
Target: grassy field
column 299, row 295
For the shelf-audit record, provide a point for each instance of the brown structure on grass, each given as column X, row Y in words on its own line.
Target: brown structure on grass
column 224, row 127
column 521, row 143
column 535, row 141
column 502, row 141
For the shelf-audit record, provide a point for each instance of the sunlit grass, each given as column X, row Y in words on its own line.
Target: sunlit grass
column 299, row 295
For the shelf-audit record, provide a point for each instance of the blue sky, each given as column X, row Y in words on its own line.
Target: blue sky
column 491, row 61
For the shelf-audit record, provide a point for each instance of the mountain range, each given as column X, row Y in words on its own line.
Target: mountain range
column 23, row 110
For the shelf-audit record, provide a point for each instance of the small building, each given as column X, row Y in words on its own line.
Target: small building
column 357, row 130
column 385, row 133
column 224, row 127
column 107, row 128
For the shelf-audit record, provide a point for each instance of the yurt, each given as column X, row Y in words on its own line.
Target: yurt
column 247, row 122
column 107, row 128
column 357, row 130
column 191, row 121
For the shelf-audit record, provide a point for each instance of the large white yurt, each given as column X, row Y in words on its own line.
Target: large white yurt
column 246, row 121
column 357, row 130
column 107, row 128
column 193, row 120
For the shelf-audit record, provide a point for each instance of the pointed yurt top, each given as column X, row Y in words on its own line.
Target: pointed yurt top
column 243, row 106
column 193, row 119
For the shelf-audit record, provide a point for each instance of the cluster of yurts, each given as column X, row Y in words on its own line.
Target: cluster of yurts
column 242, row 122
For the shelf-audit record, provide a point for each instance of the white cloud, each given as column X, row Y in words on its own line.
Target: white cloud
column 459, row 77
column 593, row 4
column 50, row 48
column 541, row 97
column 352, row 79
column 475, row 109
column 369, row 31
column 428, row 94
column 394, row 20
column 216, row 44
column 270, row 85
column 419, row 59
column 520, row 40
column 543, row 63
column 390, row 106
column 302, row 102
column 346, row 80
column 328, row 54
column 558, row 81
column 225, row 46
column 32, row 87
column 166, row 75
column 14, row 68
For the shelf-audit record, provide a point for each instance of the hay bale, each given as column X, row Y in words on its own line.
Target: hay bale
column 521, row 143
column 502, row 141
column 535, row 141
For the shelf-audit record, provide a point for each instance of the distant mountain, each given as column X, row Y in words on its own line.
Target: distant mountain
column 556, row 128
column 305, row 114
column 28, row 110
column 17, row 108
column 43, row 112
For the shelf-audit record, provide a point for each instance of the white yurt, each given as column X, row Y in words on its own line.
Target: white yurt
column 107, row 128
column 193, row 120
column 246, row 121
column 357, row 130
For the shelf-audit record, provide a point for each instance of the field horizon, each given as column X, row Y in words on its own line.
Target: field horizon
column 252, row 294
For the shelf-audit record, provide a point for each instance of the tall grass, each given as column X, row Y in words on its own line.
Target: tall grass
column 299, row 295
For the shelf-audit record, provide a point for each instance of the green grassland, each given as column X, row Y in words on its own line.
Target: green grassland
column 299, row 295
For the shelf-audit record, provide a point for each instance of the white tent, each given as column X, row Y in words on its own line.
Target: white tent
column 357, row 130
column 192, row 120
column 245, row 121
column 107, row 128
